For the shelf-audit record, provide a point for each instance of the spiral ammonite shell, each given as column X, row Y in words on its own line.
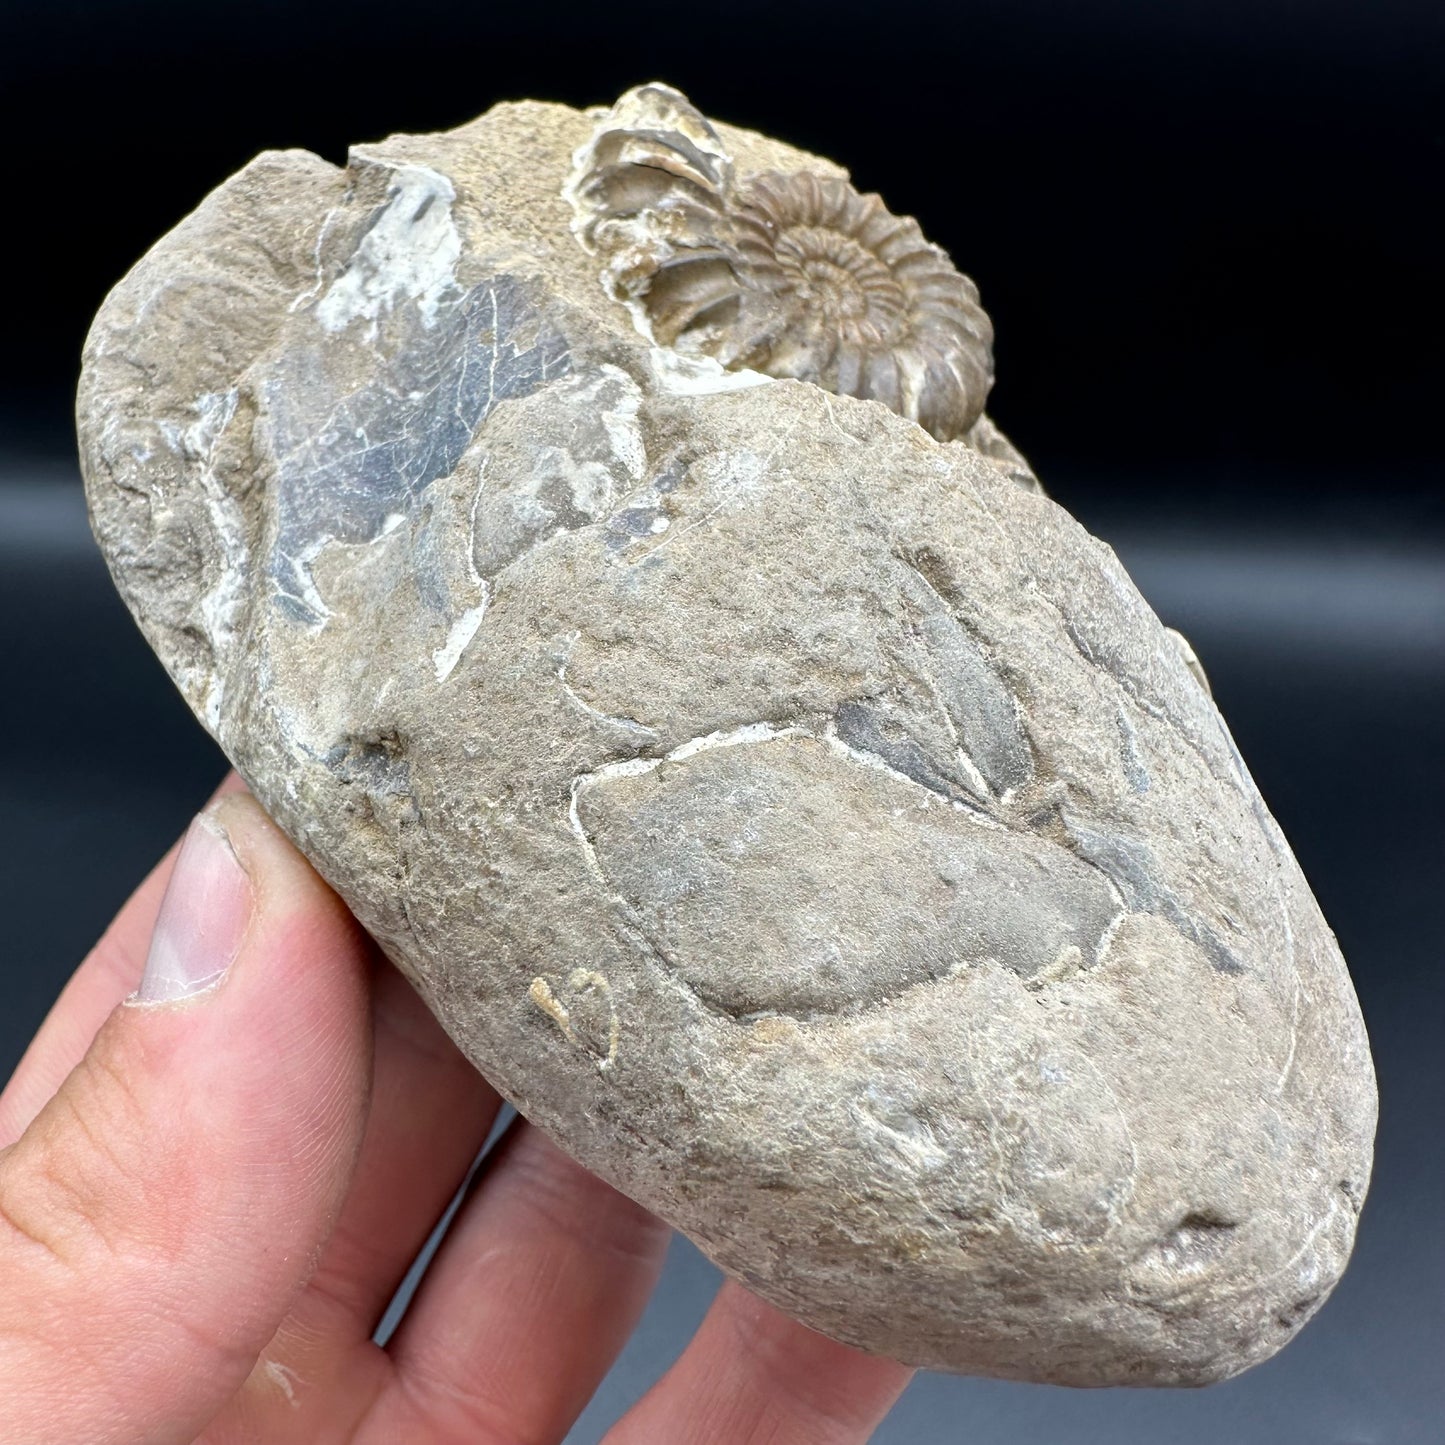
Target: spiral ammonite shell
column 790, row 274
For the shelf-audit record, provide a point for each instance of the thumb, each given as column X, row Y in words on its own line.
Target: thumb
column 160, row 1213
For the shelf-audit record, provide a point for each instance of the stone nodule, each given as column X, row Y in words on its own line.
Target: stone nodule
column 583, row 532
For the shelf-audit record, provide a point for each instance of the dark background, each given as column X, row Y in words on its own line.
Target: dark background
column 1207, row 235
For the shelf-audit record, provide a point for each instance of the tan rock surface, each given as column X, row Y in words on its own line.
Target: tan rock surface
column 805, row 824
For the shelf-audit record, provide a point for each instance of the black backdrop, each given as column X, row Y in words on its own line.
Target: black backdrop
column 1206, row 233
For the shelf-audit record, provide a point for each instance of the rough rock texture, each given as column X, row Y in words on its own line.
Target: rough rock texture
column 805, row 824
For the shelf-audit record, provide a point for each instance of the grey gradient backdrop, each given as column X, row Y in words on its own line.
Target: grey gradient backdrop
column 1206, row 235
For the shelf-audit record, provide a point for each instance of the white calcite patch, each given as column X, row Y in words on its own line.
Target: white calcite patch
column 698, row 375
column 461, row 632
column 409, row 254
column 196, row 441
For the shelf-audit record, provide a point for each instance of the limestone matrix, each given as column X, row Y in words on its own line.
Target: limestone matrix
column 800, row 817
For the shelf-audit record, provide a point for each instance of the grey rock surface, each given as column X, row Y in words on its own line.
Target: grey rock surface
column 803, row 820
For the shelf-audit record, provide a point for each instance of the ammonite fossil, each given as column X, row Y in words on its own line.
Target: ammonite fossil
column 794, row 275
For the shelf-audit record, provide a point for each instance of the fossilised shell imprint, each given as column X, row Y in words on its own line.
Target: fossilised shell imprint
column 791, row 274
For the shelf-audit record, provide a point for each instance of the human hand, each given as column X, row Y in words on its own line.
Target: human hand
column 227, row 1143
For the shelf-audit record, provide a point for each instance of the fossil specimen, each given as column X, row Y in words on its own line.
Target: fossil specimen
column 803, row 821
column 794, row 274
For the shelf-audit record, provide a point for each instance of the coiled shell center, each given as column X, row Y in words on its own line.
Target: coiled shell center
column 851, row 288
